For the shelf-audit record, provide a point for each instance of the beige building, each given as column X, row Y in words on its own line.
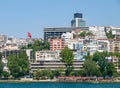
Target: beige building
column 114, row 45
column 3, row 38
column 47, row 55
column 51, row 60
column 54, row 65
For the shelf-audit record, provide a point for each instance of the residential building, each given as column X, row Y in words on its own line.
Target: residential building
column 22, row 42
column 79, row 55
column 46, row 55
column 57, row 44
column 98, row 31
column 78, row 46
column 90, row 44
column 12, row 40
column 29, row 53
column 115, row 30
column 103, row 45
column 6, row 53
column 67, row 36
column 114, row 45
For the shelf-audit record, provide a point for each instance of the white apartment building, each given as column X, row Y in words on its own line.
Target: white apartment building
column 103, row 45
column 22, row 42
column 29, row 54
column 46, row 55
column 12, row 40
column 98, row 31
column 67, row 36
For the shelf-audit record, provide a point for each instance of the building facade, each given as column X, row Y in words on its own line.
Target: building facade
column 57, row 32
column 3, row 38
column 46, row 55
column 54, row 65
column 57, row 44
column 78, row 20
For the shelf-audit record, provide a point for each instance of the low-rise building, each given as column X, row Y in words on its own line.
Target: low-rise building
column 103, row 45
column 54, row 65
column 79, row 55
column 47, row 55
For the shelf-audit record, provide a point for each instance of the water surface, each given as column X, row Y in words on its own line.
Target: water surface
column 59, row 85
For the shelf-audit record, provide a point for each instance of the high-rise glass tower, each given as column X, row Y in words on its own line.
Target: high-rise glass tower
column 78, row 20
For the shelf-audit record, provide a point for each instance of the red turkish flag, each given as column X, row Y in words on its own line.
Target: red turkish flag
column 29, row 35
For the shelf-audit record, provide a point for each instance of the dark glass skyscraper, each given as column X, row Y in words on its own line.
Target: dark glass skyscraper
column 78, row 20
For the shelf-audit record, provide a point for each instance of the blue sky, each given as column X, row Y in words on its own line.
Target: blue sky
column 17, row 17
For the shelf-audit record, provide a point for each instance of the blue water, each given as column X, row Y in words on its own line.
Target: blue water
column 59, row 85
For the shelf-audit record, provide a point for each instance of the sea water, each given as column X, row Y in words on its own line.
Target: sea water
column 59, row 85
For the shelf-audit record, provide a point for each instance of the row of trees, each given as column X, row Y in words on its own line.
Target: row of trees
column 47, row 74
column 37, row 46
column 18, row 66
column 96, row 65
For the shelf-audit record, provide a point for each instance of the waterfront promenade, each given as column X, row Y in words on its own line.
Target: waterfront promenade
column 67, row 79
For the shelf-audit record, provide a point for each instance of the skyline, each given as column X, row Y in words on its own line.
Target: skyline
column 17, row 18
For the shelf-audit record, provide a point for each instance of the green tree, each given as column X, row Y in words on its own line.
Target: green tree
column 83, row 34
column 0, row 56
column 106, row 68
column 5, row 74
column 56, row 73
column 44, row 74
column 37, row 74
column 1, row 64
column 118, row 62
column 23, row 63
column 109, row 34
column 110, row 69
column 90, row 67
column 1, row 67
column 89, row 33
column 13, row 65
column 68, row 59
column 40, row 45
column 102, row 63
column 82, row 72
column 50, row 74
column 98, row 55
column 88, row 56
column 18, row 64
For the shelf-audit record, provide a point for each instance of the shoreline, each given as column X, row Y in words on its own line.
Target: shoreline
column 53, row 81
column 20, row 81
